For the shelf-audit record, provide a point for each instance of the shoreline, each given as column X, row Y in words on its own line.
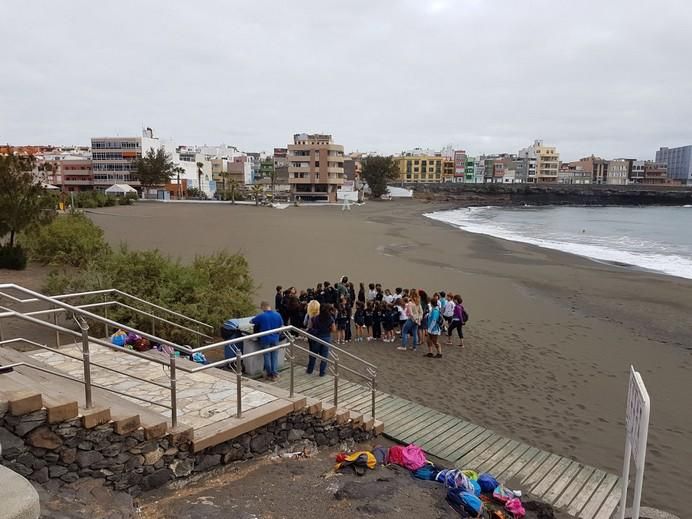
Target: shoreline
column 550, row 339
column 557, row 245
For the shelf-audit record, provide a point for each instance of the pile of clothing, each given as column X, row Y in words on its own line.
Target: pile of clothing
column 469, row 493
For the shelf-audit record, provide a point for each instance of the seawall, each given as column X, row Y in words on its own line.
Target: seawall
column 532, row 194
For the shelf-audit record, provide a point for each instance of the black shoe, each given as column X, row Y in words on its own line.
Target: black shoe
column 429, row 355
column 438, row 356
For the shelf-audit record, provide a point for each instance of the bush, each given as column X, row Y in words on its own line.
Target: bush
column 210, row 290
column 12, row 257
column 70, row 239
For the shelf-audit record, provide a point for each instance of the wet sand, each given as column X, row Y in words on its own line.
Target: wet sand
column 550, row 339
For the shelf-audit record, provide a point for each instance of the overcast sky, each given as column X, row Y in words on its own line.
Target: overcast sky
column 610, row 77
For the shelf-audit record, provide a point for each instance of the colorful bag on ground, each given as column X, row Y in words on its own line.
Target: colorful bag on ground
column 381, row 455
column 359, row 461
column 463, row 502
column 141, row 344
column 471, row 474
column 502, row 494
column 119, row 338
column 413, row 457
column 514, row 507
column 476, row 487
column 396, row 455
column 454, row 478
column 487, row 483
column 427, row 472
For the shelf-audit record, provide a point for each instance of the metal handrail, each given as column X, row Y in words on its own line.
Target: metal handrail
column 60, row 352
column 80, row 314
column 106, row 292
column 74, row 379
column 106, row 304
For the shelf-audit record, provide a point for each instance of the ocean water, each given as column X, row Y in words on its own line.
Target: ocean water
column 652, row 238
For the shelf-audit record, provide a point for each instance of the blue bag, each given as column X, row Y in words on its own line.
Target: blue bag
column 427, row 472
column 487, row 482
column 465, row 503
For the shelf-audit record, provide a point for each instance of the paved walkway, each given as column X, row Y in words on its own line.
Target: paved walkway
column 582, row 491
column 203, row 398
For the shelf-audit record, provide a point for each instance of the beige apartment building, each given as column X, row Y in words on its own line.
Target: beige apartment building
column 547, row 163
column 315, row 167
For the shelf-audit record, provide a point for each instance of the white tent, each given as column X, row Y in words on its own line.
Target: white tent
column 49, row 187
column 120, row 189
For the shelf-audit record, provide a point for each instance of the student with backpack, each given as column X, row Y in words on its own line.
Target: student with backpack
column 457, row 321
column 321, row 326
column 434, row 328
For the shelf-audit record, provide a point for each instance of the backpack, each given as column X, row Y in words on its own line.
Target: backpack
column 464, row 316
column 514, row 507
column 413, row 457
column 465, row 503
column 502, row 494
column 359, row 461
column 119, row 338
column 487, row 483
column 427, row 472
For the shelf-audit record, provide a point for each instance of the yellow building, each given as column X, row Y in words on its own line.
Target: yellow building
column 547, row 163
column 422, row 168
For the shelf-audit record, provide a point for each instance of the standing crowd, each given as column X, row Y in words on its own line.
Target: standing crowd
column 338, row 314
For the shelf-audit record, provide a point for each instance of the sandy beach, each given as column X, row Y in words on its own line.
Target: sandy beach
column 551, row 335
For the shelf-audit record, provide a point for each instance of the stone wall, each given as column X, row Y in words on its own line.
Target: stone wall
column 551, row 194
column 55, row 454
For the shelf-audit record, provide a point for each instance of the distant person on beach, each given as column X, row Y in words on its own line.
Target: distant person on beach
column 267, row 320
column 448, row 309
column 312, row 310
column 368, row 319
column 359, row 320
column 434, row 328
column 414, row 313
column 457, row 321
column 361, row 293
column 377, row 321
column 321, row 326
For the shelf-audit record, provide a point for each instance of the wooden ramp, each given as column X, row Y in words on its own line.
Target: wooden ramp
column 582, row 491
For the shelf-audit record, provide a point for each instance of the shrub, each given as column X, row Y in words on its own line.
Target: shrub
column 210, row 290
column 12, row 257
column 70, row 239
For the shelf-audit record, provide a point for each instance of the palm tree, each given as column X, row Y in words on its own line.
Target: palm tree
column 178, row 170
column 257, row 191
column 200, row 165
column 233, row 185
column 224, row 176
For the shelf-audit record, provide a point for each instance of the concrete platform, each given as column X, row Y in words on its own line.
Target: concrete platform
column 18, row 497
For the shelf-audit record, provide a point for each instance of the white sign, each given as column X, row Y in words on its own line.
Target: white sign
column 637, row 427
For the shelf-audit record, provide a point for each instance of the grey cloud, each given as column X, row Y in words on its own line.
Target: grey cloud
column 608, row 78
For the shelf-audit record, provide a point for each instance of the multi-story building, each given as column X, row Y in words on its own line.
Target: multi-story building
column 113, row 158
column 619, row 172
column 448, row 170
column 636, row 174
column 541, row 162
column 423, row 168
column 470, row 171
column 460, row 166
column 315, row 167
column 678, row 161
column 76, row 174
column 656, row 173
column 575, row 172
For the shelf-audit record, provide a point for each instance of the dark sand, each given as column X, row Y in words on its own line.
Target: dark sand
column 551, row 335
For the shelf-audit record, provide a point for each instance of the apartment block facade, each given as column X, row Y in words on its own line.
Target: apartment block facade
column 315, row 167
column 619, row 172
column 420, row 168
column 113, row 160
column 678, row 162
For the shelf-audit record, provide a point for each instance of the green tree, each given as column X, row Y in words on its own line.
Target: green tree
column 257, row 190
column 377, row 171
column 154, row 168
column 24, row 202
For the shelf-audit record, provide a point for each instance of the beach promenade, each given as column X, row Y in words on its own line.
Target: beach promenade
column 550, row 340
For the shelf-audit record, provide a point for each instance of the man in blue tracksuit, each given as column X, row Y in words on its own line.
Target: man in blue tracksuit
column 268, row 319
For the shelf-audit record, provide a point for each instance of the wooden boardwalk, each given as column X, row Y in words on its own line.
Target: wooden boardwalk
column 582, row 491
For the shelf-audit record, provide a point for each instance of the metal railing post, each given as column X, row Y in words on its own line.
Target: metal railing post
column 57, row 332
column 87, row 362
column 153, row 326
column 336, row 379
column 174, row 394
column 105, row 316
column 239, row 381
column 291, row 359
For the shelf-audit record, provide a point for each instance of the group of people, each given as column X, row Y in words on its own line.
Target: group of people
column 338, row 314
